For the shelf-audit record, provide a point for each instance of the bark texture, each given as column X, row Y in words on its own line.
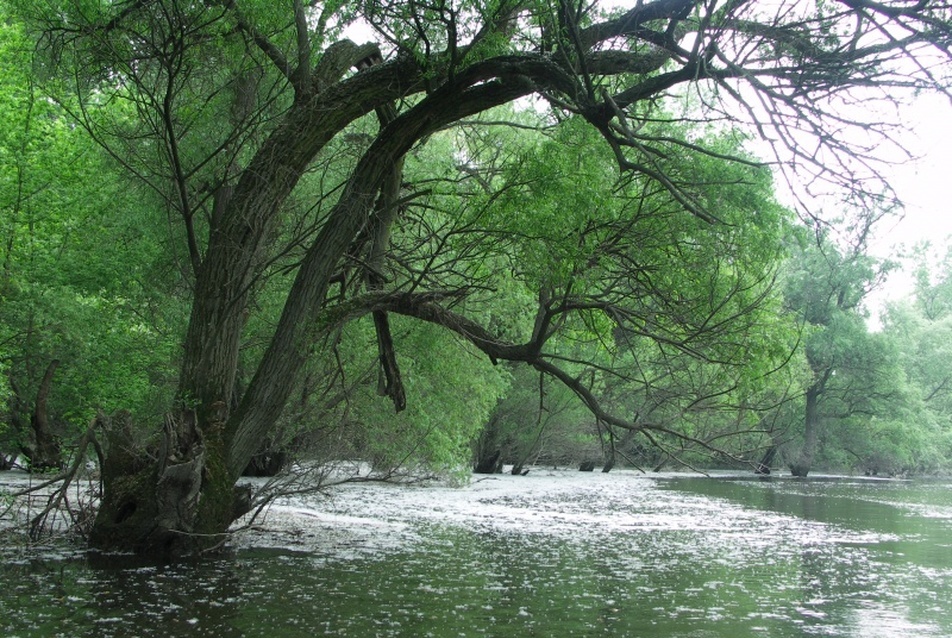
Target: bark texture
column 167, row 500
column 43, row 452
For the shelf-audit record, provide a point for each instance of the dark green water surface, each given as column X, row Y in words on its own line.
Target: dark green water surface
column 552, row 555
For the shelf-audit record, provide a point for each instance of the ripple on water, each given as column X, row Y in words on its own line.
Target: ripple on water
column 556, row 554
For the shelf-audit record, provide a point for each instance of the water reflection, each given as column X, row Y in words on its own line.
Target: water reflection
column 610, row 557
column 882, row 560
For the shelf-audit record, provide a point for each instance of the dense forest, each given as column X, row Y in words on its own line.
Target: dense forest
column 439, row 236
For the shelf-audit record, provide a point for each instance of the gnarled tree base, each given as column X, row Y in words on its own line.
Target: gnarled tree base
column 177, row 500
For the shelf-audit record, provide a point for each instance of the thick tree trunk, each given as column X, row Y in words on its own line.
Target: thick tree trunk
column 165, row 502
column 487, row 455
column 491, row 464
column 802, row 465
column 45, row 452
column 182, row 496
column 238, row 243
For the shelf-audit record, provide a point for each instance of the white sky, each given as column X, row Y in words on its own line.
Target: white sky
column 926, row 188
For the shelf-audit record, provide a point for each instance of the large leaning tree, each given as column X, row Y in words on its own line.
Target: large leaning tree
column 225, row 109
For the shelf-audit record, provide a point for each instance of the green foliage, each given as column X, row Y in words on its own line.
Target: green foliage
column 933, row 290
column 921, row 332
column 450, row 392
column 538, row 422
column 678, row 315
column 870, row 415
column 75, row 274
column 654, row 292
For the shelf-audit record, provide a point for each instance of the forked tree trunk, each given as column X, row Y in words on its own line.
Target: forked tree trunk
column 181, row 496
column 176, row 498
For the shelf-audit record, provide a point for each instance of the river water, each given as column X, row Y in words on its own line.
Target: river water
column 549, row 554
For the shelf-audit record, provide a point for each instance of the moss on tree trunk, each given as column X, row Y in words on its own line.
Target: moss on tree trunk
column 177, row 499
